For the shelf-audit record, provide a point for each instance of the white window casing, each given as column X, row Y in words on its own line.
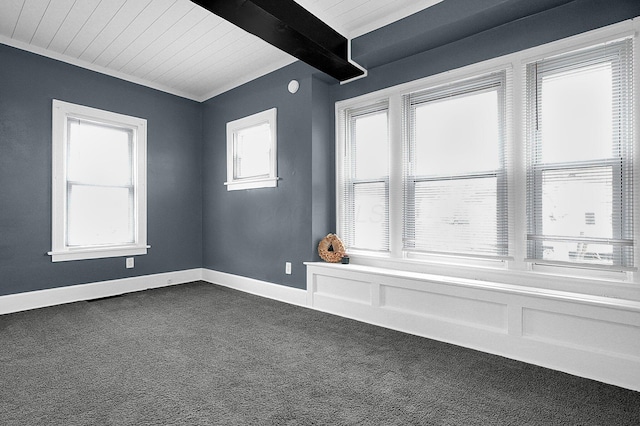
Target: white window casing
column 252, row 156
column 99, row 205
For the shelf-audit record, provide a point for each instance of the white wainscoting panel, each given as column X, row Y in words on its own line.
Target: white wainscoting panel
column 589, row 336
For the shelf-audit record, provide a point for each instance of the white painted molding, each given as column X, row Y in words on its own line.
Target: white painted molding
column 282, row 293
column 75, row 293
column 60, row 295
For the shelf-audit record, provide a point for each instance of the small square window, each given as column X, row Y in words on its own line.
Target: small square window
column 251, row 152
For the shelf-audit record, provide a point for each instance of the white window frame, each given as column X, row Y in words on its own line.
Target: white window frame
column 620, row 164
column 350, row 182
column 233, row 127
column 61, row 251
column 516, row 267
column 495, row 80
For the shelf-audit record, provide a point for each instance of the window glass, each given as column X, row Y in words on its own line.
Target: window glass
column 99, row 154
column 99, row 215
column 370, row 141
column 253, row 152
column 370, row 221
column 457, row 215
column 576, row 114
column 458, row 135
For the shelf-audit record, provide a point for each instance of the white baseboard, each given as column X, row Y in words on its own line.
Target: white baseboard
column 294, row 296
column 60, row 295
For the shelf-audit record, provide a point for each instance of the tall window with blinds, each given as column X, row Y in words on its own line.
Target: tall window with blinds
column 365, row 191
column 579, row 176
column 455, row 189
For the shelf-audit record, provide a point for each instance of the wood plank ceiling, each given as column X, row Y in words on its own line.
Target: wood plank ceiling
column 172, row 45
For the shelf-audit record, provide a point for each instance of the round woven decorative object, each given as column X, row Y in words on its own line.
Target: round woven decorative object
column 331, row 241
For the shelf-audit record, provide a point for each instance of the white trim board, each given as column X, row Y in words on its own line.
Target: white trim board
column 282, row 293
column 75, row 293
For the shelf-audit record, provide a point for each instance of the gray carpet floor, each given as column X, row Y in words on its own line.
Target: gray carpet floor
column 200, row 354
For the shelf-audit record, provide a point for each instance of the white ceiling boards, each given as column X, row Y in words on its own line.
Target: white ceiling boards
column 172, row 45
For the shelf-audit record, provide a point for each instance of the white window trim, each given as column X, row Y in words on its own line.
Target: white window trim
column 271, row 181
column 60, row 252
column 516, row 268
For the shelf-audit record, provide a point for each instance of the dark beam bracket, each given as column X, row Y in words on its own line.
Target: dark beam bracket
column 291, row 28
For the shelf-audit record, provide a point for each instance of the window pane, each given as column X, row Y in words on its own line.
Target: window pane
column 99, row 215
column 457, row 216
column 252, row 152
column 576, row 115
column 577, row 252
column 577, row 202
column 371, row 146
column 99, row 154
column 457, row 135
column 370, row 221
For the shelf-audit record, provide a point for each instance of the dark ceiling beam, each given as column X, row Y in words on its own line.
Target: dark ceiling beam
column 291, row 28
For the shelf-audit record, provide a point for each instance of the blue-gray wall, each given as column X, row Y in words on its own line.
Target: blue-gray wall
column 254, row 232
column 193, row 220
column 28, row 83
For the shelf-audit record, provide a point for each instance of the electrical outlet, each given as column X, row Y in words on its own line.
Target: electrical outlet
column 129, row 262
column 287, row 268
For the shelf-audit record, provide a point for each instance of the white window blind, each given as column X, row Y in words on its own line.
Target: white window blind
column 365, row 192
column 455, row 189
column 580, row 143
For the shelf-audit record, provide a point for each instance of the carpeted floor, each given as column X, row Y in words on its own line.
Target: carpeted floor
column 199, row 354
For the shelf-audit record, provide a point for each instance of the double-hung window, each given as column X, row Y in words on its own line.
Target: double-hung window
column 365, row 181
column 99, row 183
column 579, row 177
column 455, row 191
column 510, row 169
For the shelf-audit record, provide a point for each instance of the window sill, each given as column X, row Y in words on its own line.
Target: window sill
column 597, row 283
column 97, row 253
column 270, row 182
